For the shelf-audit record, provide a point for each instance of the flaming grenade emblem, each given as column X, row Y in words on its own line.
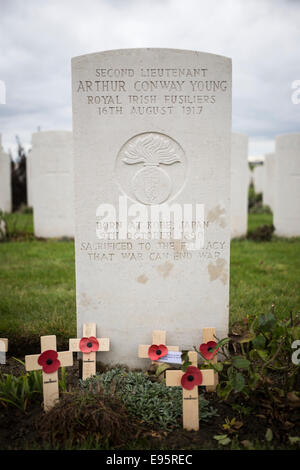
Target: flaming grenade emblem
column 151, row 184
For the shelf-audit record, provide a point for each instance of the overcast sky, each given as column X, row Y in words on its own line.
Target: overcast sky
column 39, row 37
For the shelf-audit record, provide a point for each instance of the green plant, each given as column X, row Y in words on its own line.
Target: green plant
column 18, row 391
column 151, row 402
column 254, row 199
column 63, row 380
column 24, row 209
column 232, row 425
column 258, row 357
column 222, row 439
column 18, row 225
column 262, row 233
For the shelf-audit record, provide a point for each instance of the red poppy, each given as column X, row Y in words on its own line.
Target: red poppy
column 88, row 345
column 207, row 350
column 156, row 352
column 191, row 378
column 49, row 362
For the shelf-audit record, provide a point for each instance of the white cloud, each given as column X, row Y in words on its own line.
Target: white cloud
column 39, row 38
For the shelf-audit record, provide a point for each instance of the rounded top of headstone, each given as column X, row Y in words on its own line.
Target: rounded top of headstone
column 288, row 146
column 269, row 155
column 150, row 50
column 287, row 137
column 239, row 135
column 239, row 140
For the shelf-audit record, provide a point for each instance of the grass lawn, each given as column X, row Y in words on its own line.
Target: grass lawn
column 19, row 223
column 37, row 281
column 256, row 220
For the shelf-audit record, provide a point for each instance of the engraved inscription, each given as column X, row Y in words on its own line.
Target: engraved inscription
column 152, row 91
column 152, row 251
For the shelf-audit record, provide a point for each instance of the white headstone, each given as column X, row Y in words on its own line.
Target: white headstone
column 269, row 180
column 152, row 125
column 51, row 162
column 5, row 181
column 287, row 185
column 239, row 185
column 258, row 176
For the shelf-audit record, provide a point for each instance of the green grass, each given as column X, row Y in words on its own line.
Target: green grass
column 19, row 223
column 256, row 220
column 37, row 282
column 264, row 273
column 37, row 288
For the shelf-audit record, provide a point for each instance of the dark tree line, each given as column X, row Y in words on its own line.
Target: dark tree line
column 18, row 178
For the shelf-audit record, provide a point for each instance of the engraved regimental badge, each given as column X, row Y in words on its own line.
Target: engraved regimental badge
column 157, row 167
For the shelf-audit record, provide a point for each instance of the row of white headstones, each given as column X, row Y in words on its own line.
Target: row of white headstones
column 50, row 184
column 49, row 361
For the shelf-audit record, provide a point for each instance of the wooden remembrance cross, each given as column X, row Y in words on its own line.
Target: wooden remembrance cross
column 3, row 344
column 90, row 345
column 47, row 361
column 209, row 334
column 158, row 338
column 3, row 348
column 190, row 404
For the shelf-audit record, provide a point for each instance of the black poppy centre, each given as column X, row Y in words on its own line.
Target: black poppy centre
column 158, row 352
column 49, row 362
column 190, row 378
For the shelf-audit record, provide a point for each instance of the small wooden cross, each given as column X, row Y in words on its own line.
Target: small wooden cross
column 190, row 405
column 158, row 338
column 209, row 334
column 44, row 363
column 89, row 358
column 3, row 346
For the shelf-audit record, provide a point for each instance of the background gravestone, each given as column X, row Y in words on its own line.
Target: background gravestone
column 258, row 178
column 154, row 125
column 51, row 163
column 5, row 181
column 239, row 185
column 287, row 185
column 269, row 180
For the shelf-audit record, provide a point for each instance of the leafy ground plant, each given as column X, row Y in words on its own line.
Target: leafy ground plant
column 258, row 358
column 19, row 391
column 150, row 402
